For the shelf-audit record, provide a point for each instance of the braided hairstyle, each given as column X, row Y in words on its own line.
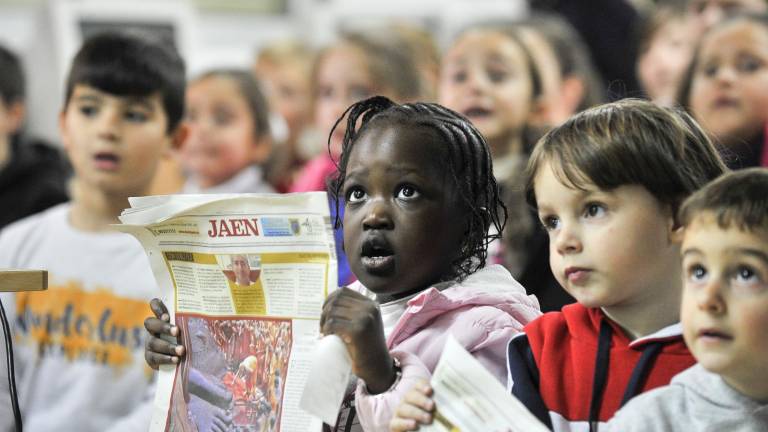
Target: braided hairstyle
column 467, row 159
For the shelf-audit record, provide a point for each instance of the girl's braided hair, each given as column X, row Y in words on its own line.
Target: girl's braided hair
column 467, row 160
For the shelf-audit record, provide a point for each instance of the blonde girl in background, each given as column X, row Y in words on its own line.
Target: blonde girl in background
column 284, row 69
column 357, row 66
column 570, row 82
column 489, row 76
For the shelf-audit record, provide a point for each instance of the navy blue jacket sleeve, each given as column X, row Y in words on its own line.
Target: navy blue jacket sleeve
column 525, row 378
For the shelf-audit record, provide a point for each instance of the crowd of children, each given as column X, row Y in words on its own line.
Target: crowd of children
column 472, row 191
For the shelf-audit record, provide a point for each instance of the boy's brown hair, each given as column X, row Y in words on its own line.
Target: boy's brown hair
column 629, row 142
column 738, row 198
column 131, row 64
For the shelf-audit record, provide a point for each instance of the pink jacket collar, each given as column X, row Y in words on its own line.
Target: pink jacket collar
column 489, row 286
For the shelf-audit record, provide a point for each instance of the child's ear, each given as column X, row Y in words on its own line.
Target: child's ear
column 179, row 137
column 677, row 235
column 63, row 130
column 15, row 115
column 572, row 91
column 541, row 112
column 675, row 228
column 261, row 150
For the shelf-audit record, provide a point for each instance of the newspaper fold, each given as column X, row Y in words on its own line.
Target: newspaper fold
column 244, row 277
column 470, row 399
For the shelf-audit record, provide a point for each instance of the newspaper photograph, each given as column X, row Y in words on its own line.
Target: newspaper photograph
column 244, row 278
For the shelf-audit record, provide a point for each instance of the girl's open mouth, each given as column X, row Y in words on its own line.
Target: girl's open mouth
column 377, row 256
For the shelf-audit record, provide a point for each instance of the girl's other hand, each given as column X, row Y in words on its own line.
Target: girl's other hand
column 161, row 346
column 416, row 409
column 356, row 320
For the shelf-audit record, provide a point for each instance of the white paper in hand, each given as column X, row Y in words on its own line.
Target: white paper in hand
column 328, row 379
column 471, row 399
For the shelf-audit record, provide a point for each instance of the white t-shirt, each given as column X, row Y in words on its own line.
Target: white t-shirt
column 392, row 311
column 79, row 346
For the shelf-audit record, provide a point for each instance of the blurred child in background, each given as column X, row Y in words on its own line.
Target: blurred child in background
column 357, row 66
column 489, row 76
column 665, row 48
column 726, row 88
column 423, row 49
column 33, row 175
column 229, row 137
column 570, row 81
column 284, row 69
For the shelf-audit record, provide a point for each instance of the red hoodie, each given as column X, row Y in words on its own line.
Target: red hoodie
column 556, row 371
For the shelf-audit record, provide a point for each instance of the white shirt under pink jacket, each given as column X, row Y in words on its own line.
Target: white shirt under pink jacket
column 482, row 312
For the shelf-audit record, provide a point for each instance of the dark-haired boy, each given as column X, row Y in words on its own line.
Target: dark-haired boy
column 33, row 175
column 724, row 315
column 79, row 346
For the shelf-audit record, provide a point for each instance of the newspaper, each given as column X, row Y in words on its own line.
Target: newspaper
column 470, row 399
column 244, row 277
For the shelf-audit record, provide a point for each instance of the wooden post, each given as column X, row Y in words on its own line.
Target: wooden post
column 23, row 280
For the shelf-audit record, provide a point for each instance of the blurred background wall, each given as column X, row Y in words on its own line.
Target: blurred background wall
column 209, row 33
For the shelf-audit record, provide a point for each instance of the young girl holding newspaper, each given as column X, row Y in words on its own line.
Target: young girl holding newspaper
column 420, row 197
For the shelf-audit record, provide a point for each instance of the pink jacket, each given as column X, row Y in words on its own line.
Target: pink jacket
column 482, row 312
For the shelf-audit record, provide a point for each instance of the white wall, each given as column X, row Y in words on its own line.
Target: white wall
column 216, row 38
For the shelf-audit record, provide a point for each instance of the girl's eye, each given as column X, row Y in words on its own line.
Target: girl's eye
column 222, row 118
column 355, row 195
column 749, row 64
column 407, row 192
column 459, row 76
column 324, row 91
column 550, row 223
column 710, row 70
column 497, row 76
column 190, row 116
column 594, row 210
column 135, row 116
